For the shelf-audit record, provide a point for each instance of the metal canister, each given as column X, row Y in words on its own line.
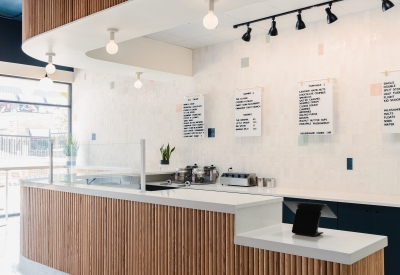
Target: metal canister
column 260, row 182
column 269, row 182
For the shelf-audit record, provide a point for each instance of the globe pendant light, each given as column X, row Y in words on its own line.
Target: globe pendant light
column 247, row 36
column 300, row 23
column 112, row 47
column 330, row 17
column 138, row 83
column 273, row 31
column 50, row 68
column 386, row 4
column 46, row 83
column 210, row 21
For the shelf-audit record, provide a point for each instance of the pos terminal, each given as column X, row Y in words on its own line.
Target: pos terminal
column 307, row 217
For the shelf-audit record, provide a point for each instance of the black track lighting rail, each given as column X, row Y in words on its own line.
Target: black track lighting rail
column 286, row 13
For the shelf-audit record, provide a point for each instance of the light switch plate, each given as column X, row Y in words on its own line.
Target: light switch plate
column 112, row 85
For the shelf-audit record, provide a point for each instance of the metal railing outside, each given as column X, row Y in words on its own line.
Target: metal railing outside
column 18, row 147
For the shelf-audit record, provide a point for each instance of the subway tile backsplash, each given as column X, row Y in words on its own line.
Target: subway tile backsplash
column 355, row 50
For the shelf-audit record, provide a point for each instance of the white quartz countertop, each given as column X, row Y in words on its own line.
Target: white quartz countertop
column 333, row 245
column 370, row 199
column 187, row 198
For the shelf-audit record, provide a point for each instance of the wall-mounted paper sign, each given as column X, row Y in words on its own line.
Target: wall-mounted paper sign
column 315, row 108
column 248, row 113
column 391, row 104
column 193, row 117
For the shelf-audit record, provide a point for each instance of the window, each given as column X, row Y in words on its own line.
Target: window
column 28, row 117
column 27, row 110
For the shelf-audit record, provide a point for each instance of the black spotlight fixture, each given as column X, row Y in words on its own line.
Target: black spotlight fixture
column 247, row 36
column 300, row 23
column 273, row 31
column 386, row 4
column 330, row 17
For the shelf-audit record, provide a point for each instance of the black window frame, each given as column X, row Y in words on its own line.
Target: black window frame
column 69, row 106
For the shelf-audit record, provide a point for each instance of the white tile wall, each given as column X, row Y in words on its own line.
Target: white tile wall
column 356, row 48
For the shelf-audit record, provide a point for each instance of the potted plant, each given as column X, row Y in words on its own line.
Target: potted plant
column 71, row 147
column 166, row 154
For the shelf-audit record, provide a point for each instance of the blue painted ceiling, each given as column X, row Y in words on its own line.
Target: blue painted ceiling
column 11, row 9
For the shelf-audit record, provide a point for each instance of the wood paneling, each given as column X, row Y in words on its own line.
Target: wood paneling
column 81, row 234
column 39, row 16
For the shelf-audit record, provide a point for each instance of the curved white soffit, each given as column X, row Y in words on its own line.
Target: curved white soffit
column 134, row 19
column 150, row 55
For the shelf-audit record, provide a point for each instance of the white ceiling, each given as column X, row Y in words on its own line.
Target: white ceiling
column 193, row 35
column 134, row 19
column 177, row 22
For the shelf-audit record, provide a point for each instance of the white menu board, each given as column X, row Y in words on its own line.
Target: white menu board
column 193, row 117
column 391, row 104
column 248, row 113
column 316, row 108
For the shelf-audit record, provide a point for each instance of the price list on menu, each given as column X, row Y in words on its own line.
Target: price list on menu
column 391, row 105
column 248, row 113
column 315, row 108
column 193, row 117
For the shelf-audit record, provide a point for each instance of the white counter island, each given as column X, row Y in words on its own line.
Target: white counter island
column 113, row 230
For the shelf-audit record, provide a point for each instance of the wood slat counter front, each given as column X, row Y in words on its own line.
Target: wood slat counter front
column 85, row 234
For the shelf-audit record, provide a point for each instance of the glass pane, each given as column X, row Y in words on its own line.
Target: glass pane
column 28, row 90
column 32, row 120
column 99, row 164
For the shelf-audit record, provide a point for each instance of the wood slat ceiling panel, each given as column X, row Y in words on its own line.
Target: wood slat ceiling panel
column 40, row 16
